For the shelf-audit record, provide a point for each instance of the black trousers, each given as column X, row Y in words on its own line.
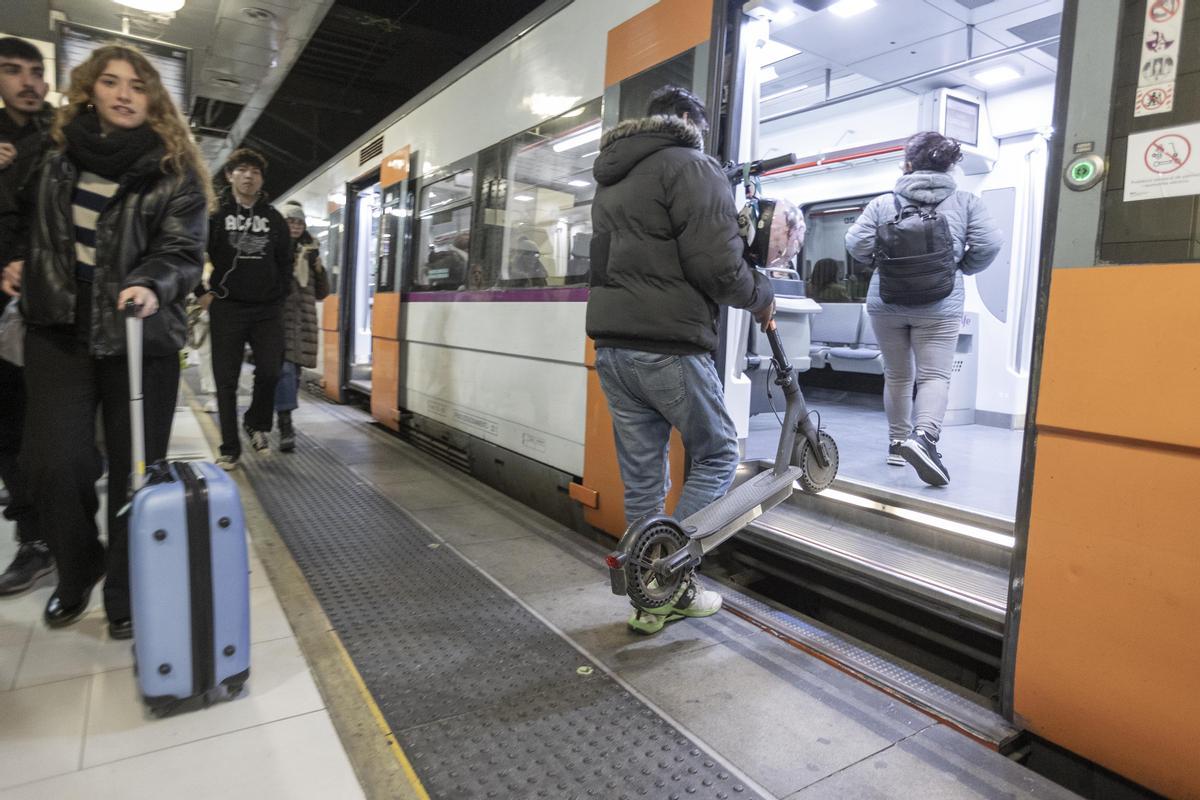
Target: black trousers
column 65, row 385
column 12, row 421
column 233, row 326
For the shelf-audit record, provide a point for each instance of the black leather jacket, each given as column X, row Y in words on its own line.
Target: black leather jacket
column 151, row 234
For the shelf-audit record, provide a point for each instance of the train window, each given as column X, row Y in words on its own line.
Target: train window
column 539, row 203
column 444, row 234
column 831, row 274
column 331, row 256
column 636, row 91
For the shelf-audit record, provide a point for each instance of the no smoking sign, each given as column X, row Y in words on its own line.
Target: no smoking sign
column 1159, row 163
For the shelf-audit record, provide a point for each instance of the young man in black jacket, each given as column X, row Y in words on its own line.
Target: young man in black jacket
column 251, row 254
column 666, row 254
column 24, row 135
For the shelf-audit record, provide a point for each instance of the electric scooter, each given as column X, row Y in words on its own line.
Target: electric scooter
column 658, row 553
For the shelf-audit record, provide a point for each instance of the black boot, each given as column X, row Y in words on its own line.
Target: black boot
column 287, row 434
column 32, row 562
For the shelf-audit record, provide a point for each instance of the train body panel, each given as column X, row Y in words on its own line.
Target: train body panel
column 489, row 369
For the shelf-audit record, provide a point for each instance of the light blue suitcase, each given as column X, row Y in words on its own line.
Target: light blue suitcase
column 188, row 573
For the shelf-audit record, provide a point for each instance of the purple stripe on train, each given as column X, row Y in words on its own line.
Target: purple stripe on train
column 560, row 294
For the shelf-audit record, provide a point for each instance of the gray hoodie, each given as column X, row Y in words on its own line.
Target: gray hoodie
column 977, row 240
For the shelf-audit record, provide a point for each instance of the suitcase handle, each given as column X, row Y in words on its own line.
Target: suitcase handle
column 137, row 425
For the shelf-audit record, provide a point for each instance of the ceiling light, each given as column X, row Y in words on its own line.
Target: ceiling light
column 576, row 113
column 995, row 76
column 768, row 74
column 153, row 6
column 785, row 92
column 523, row 198
column 589, row 134
column 578, row 183
column 784, row 16
column 849, row 8
column 589, row 155
column 550, row 105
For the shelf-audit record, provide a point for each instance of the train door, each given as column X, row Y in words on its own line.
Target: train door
column 922, row 571
column 392, row 261
column 363, row 212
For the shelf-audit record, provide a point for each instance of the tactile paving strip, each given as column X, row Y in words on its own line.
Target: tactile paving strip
column 486, row 700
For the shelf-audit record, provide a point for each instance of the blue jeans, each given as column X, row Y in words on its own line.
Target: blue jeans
column 650, row 393
column 287, row 391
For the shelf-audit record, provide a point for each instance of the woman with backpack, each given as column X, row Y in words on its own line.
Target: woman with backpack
column 922, row 238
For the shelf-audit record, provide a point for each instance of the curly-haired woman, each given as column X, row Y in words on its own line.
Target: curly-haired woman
column 119, row 214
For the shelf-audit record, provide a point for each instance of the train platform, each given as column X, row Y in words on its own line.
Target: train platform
column 418, row 634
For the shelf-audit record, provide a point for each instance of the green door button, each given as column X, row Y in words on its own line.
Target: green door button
column 1084, row 172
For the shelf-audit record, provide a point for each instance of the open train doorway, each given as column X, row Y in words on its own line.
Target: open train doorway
column 843, row 85
column 364, row 203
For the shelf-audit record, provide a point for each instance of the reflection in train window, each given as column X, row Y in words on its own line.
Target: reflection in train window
column 541, row 208
column 444, row 235
column 831, row 274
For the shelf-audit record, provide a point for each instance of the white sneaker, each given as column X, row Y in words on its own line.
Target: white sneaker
column 697, row 602
column 210, row 405
column 227, row 463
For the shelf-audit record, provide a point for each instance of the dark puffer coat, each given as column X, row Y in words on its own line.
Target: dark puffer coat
column 665, row 247
column 300, row 308
column 151, row 233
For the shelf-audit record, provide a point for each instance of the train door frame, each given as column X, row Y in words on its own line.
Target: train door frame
column 730, row 148
column 349, row 279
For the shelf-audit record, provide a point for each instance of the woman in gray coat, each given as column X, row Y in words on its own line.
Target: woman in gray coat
column 925, row 333
column 309, row 284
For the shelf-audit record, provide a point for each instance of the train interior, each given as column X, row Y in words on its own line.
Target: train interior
column 1000, row 108
column 843, row 92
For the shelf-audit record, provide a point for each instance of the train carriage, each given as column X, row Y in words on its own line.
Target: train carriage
column 1054, row 578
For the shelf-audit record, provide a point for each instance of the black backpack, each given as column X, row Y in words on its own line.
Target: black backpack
column 914, row 253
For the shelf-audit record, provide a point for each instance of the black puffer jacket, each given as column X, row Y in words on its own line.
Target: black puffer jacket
column 300, row 308
column 151, row 234
column 665, row 247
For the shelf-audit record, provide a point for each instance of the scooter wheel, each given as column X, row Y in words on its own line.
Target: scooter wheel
column 646, row 588
column 813, row 477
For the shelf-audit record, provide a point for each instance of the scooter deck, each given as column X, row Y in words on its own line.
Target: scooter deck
column 743, row 505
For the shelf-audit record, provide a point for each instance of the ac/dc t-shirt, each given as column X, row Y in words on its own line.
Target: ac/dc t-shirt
column 251, row 253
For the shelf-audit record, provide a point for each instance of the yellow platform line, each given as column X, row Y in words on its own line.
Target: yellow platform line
column 397, row 750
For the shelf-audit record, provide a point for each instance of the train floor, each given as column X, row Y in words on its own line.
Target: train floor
column 984, row 462
column 420, row 632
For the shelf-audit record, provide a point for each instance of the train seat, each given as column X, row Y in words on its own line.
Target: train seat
column 864, row 356
column 837, row 326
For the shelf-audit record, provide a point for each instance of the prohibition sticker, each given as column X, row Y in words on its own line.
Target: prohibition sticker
column 1168, row 153
column 1163, row 10
column 1154, row 99
column 1161, row 164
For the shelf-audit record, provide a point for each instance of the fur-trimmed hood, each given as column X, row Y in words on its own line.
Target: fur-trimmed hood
column 634, row 140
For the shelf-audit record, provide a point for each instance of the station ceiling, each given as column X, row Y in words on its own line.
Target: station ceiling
column 365, row 60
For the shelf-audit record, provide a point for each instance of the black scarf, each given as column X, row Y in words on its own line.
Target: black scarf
column 112, row 155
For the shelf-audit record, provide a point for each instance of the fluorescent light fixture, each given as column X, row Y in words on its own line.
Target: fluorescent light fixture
column 153, row 6
column 523, row 198
column 578, row 183
column 785, row 92
column 850, row 8
column 948, row 525
column 768, row 74
column 550, row 105
column 995, row 76
column 589, row 155
column 773, row 51
column 578, row 112
column 785, row 15
column 590, row 134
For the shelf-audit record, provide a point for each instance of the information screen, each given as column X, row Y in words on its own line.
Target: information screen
column 76, row 42
column 962, row 120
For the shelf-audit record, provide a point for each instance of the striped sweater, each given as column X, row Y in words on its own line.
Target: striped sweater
column 92, row 194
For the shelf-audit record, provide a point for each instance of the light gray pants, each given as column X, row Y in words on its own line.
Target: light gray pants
column 930, row 341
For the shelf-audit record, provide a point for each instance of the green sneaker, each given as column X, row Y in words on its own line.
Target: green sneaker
column 691, row 600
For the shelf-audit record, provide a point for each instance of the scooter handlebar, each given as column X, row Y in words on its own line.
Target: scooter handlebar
column 735, row 171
